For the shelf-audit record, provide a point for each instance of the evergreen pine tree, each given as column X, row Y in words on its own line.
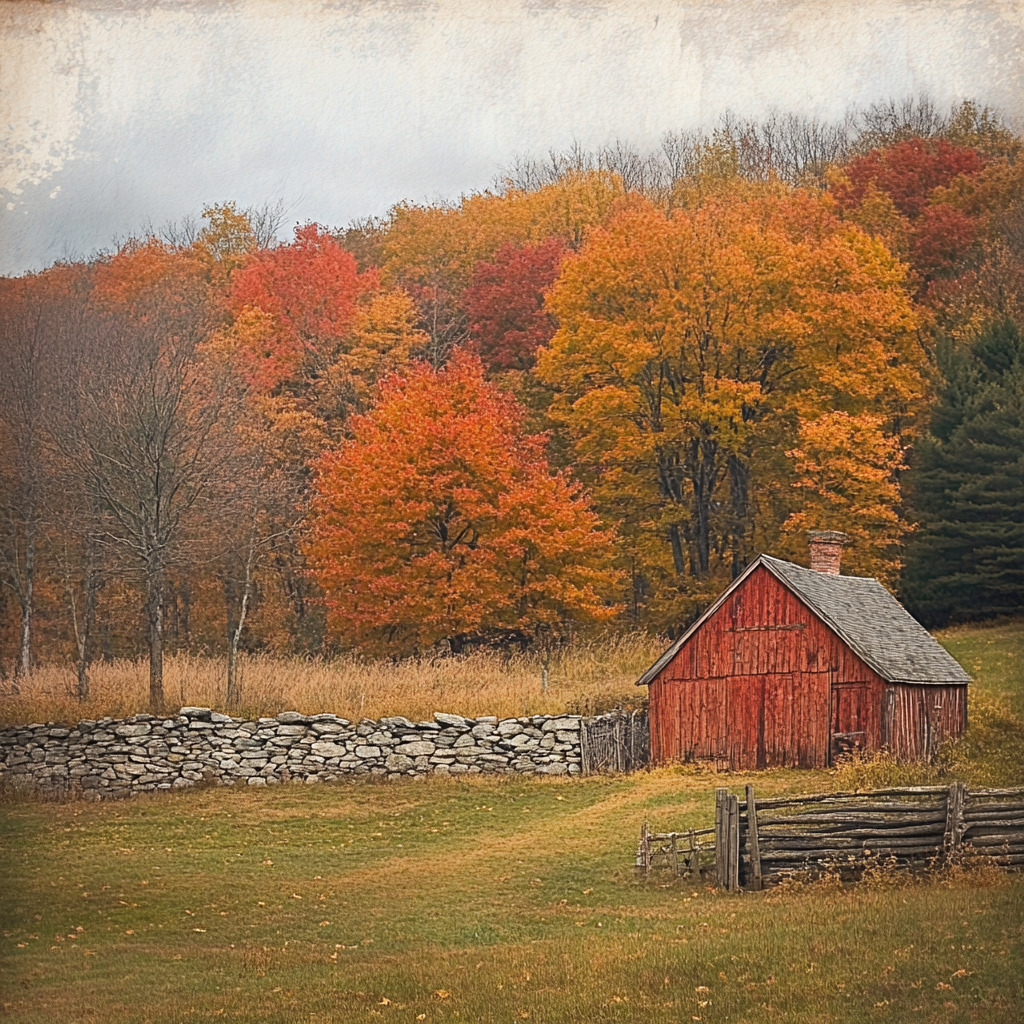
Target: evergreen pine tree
column 966, row 560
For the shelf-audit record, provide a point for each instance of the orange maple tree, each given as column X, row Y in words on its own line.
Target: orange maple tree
column 440, row 520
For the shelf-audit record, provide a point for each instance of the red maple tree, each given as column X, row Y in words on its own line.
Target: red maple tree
column 505, row 303
column 908, row 173
column 294, row 301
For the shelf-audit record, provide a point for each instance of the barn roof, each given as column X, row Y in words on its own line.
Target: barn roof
column 865, row 616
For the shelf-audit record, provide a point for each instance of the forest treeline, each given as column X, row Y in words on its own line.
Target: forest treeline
column 589, row 395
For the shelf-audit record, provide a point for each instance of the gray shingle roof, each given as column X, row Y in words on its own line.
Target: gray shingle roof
column 863, row 614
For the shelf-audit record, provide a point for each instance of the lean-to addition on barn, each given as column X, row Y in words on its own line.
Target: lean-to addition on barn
column 794, row 666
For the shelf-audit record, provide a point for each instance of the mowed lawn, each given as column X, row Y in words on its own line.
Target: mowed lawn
column 489, row 900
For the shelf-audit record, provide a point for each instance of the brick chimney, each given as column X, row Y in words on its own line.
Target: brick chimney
column 826, row 550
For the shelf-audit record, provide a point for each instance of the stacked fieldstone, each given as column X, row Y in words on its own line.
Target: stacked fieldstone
column 109, row 758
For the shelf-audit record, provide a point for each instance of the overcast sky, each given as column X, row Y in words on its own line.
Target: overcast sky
column 117, row 114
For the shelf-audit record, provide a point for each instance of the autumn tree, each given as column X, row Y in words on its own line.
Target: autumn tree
column 312, row 335
column 846, row 472
column 505, row 303
column 691, row 350
column 293, row 303
column 902, row 192
column 432, row 251
column 439, row 520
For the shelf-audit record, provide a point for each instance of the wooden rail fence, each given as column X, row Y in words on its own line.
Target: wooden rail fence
column 757, row 842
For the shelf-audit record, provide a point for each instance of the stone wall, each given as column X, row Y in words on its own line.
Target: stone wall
column 110, row 758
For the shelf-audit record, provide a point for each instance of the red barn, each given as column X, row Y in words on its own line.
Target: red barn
column 793, row 666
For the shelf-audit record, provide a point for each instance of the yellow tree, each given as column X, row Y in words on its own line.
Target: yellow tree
column 691, row 349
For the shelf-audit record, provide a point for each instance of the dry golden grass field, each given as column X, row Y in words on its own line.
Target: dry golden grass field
column 586, row 676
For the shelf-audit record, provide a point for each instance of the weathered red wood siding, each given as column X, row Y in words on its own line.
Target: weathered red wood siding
column 753, row 687
column 917, row 720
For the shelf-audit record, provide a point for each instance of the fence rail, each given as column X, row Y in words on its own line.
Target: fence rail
column 761, row 841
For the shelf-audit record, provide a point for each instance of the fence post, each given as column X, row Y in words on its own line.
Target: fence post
column 721, row 838
column 645, row 850
column 584, row 763
column 734, row 843
column 753, row 848
column 952, row 840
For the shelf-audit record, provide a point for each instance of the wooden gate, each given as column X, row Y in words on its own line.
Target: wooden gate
column 619, row 742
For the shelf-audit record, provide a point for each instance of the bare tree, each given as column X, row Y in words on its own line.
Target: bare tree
column 81, row 573
column 142, row 429
column 264, row 514
column 38, row 316
column 791, row 147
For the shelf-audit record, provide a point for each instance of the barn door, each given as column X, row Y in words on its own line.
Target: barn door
column 849, row 719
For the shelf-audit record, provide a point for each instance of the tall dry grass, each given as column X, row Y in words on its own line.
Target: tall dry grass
column 588, row 676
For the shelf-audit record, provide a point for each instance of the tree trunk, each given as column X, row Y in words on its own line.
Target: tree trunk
column 92, row 586
column 24, row 665
column 233, row 632
column 678, row 559
column 739, row 485
column 155, row 615
column 703, row 477
column 234, row 695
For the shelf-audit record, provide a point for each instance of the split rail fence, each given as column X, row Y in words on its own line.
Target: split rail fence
column 757, row 842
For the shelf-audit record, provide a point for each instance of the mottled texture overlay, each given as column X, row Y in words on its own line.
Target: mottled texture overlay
column 118, row 114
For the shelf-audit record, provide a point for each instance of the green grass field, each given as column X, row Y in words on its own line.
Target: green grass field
column 486, row 900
